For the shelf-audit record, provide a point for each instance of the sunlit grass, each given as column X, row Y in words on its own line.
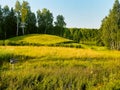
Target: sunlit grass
column 58, row 52
column 36, row 39
column 59, row 68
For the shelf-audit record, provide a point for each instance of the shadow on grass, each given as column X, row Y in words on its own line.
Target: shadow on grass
column 6, row 58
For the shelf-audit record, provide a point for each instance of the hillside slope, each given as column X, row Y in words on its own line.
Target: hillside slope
column 36, row 39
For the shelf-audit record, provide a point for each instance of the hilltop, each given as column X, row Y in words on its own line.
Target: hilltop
column 37, row 39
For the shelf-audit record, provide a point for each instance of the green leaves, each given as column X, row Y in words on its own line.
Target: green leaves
column 17, row 6
column 24, row 11
column 45, row 20
column 110, row 28
column 60, row 21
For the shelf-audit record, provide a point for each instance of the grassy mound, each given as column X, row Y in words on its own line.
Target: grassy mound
column 37, row 39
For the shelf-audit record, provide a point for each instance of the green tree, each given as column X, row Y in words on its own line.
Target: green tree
column 67, row 33
column 24, row 12
column 45, row 20
column 60, row 21
column 1, row 23
column 105, row 32
column 31, row 23
column 6, row 12
column 75, row 36
column 60, row 24
column 17, row 10
column 11, row 22
column 110, row 27
column 39, row 21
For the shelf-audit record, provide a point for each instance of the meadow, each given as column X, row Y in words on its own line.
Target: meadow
column 59, row 68
column 37, row 40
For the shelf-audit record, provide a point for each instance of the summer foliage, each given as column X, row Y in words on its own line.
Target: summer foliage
column 110, row 29
column 50, row 56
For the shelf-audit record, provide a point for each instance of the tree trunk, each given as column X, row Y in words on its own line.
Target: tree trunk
column 17, row 28
column 23, row 30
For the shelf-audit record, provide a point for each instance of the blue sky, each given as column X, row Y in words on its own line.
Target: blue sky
column 77, row 13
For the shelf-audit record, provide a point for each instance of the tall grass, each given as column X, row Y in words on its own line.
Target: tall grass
column 59, row 68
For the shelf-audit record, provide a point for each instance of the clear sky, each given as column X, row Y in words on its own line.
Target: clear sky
column 77, row 13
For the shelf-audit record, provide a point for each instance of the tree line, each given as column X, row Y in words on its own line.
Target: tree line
column 21, row 20
column 110, row 28
column 81, row 35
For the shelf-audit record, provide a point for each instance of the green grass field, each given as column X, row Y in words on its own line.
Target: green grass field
column 59, row 68
column 37, row 39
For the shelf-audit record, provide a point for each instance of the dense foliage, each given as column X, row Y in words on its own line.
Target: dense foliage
column 110, row 28
column 81, row 35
